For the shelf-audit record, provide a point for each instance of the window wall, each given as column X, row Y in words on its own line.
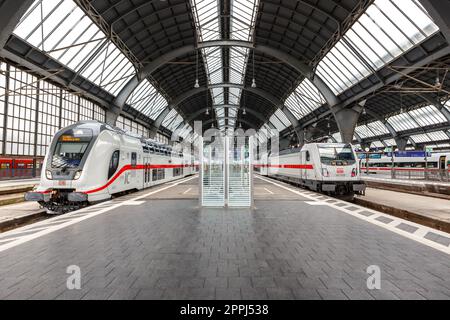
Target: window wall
column 33, row 110
column 131, row 126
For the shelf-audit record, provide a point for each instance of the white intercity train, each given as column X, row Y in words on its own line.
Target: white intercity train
column 329, row 168
column 91, row 161
column 436, row 162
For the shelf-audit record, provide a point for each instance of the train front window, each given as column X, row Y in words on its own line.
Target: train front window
column 69, row 154
column 337, row 155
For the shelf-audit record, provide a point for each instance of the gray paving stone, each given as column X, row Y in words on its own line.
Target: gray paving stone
column 228, row 294
column 385, row 220
column 332, row 294
column 438, row 238
column 280, row 294
column 407, row 228
column 216, row 282
column 263, row 282
column 254, row 294
column 306, row 294
column 358, row 294
column 239, row 282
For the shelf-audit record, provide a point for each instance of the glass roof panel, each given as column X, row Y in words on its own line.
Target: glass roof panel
column 207, row 19
column 279, row 120
column 243, row 16
column 390, row 142
column 337, row 136
column 377, row 144
column 62, row 30
column 146, row 99
column 428, row 116
column 304, row 99
column 402, row 122
column 386, row 30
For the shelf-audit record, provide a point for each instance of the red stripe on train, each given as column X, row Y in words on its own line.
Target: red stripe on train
column 287, row 166
column 130, row 167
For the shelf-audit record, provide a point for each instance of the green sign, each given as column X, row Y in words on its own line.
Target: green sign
column 388, row 150
column 429, row 149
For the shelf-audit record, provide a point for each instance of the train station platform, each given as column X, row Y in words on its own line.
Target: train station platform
column 433, row 212
column 430, row 188
column 158, row 244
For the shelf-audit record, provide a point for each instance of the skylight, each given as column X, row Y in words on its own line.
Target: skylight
column 385, row 31
column 146, row 99
column 62, row 30
column 208, row 22
column 304, row 99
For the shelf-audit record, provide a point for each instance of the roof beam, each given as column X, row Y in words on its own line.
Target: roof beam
column 263, row 94
column 251, row 125
column 196, row 114
column 438, row 10
column 300, row 66
column 10, row 14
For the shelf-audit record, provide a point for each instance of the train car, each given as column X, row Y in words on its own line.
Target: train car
column 437, row 162
column 329, row 168
column 91, row 161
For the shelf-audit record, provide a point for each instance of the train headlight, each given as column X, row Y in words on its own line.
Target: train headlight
column 77, row 175
column 48, row 175
column 325, row 172
column 354, row 172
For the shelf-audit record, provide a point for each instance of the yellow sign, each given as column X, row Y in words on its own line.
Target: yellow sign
column 69, row 139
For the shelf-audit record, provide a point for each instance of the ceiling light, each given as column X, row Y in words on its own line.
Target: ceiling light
column 196, row 85
column 253, row 83
column 244, row 112
column 207, row 111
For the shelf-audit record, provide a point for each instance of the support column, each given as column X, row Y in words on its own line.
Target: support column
column 438, row 10
column 158, row 122
column 401, row 143
column 346, row 120
column 112, row 114
column 10, row 13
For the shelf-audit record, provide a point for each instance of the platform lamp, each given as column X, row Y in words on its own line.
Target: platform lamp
column 207, row 102
column 197, row 84
column 244, row 112
column 253, row 80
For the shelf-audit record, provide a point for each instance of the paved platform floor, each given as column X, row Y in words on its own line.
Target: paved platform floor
column 145, row 246
column 18, row 182
column 434, row 208
column 18, row 210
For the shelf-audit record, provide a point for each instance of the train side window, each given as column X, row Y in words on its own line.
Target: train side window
column 114, row 163
column 154, row 174
column 308, row 157
column 133, row 159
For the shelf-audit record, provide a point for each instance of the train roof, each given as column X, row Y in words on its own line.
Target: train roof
column 97, row 127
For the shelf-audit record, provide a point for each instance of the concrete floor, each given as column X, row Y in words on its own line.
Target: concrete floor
column 149, row 246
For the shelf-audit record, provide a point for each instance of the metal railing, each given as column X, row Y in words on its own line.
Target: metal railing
column 422, row 174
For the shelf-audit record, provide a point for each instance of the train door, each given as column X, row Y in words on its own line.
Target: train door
column 442, row 163
column 147, row 179
column 302, row 169
column 443, row 167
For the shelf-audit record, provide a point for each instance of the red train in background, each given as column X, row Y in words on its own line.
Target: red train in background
column 19, row 167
